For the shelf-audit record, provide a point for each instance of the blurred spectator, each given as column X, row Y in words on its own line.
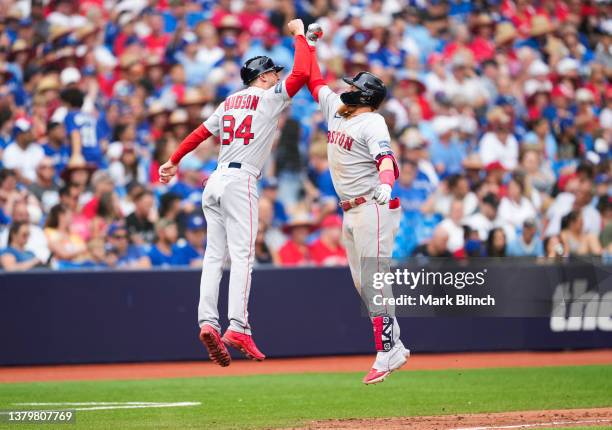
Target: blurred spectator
column 437, row 246
column 270, row 192
column 15, row 257
column 517, row 207
column 122, row 254
column 163, row 251
column 295, row 252
column 327, row 250
column 45, row 188
column 453, row 228
column 527, row 244
column 140, row 222
column 498, row 144
column 82, row 129
column 23, row 154
column 191, row 251
column 66, row 247
column 37, row 242
column 573, row 236
column 496, row 243
column 579, row 198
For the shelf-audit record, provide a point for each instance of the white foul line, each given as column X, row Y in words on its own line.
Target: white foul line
column 524, row 426
column 99, row 406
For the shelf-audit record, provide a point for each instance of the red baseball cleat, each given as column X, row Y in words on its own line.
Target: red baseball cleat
column 243, row 343
column 396, row 358
column 217, row 351
column 375, row 376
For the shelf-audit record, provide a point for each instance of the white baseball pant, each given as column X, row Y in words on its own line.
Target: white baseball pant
column 230, row 204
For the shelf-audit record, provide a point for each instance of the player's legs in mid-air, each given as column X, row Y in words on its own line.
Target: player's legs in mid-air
column 212, row 270
column 231, row 202
column 369, row 233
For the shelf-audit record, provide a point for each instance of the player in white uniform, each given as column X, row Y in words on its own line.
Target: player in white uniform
column 363, row 171
column 245, row 123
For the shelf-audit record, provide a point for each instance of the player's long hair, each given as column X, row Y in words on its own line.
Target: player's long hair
column 346, row 111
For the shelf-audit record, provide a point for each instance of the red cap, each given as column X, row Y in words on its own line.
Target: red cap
column 331, row 221
column 495, row 165
column 561, row 91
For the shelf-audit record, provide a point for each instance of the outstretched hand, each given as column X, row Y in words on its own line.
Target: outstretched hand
column 167, row 171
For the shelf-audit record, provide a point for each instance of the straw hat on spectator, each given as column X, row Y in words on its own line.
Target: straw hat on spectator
column 230, row 22
column 299, row 220
column 76, row 166
column 444, row 124
column 411, row 138
column 154, row 61
column 128, row 59
column 85, row 31
column 505, row 33
column 58, row 31
column 192, row 96
column 178, row 117
column 156, row 108
column 20, row 45
column 412, row 77
column 541, row 25
column 482, row 20
column 48, row 82
column 497, row 116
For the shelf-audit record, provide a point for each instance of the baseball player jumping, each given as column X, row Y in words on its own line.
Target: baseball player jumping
column 246, row 123
column 363, row 170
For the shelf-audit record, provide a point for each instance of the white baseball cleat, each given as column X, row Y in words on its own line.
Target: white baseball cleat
column 387, row 362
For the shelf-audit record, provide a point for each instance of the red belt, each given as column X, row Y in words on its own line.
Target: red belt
column 347, row 205
column 352, row 203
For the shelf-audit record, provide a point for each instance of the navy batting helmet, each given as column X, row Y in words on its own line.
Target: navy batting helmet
column 257, row 66
column 371, row 91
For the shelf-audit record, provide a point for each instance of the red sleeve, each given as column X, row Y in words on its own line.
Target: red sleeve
column 315, row 82
column 301, row 67
column 190, row 143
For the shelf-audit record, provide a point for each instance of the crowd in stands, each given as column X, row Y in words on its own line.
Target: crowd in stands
column 500, row 114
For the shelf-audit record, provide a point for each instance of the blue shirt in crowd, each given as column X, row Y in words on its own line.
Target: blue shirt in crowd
column 184, row 255
column 86, row 125
column 20, row 256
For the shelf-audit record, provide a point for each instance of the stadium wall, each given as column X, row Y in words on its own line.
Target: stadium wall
column 129, row 316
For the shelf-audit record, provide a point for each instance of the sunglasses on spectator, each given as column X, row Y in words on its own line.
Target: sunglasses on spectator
column 120, row 236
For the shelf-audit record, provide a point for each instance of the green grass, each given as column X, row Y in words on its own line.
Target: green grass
column 292, row 399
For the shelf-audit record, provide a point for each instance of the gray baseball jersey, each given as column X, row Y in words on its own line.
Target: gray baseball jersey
column 353, row 145
column 246, row 122
column 368, row 230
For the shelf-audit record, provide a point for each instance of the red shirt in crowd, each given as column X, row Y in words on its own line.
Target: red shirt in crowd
column 293, row 255
column 323, row 255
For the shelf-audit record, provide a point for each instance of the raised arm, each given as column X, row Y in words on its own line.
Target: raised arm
column 315, row 81
column 301, row 62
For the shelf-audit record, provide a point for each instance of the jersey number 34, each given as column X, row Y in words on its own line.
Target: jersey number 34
column 230, row 132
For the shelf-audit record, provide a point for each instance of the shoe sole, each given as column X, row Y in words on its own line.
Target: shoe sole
column 216, row 353
column 241, row 349
column 382, row 377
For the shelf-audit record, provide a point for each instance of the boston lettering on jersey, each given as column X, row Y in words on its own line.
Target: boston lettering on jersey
column 340, row 139
column 247, row 101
